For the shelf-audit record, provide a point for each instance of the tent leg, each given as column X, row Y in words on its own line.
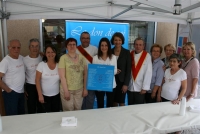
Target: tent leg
column 41, row 35
column 4, row 28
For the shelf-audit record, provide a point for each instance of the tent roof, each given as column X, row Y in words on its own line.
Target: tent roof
column 143, row 10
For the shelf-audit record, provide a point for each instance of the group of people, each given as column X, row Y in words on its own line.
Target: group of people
column 51, row 80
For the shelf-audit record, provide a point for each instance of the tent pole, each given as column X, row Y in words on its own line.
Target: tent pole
column 5, row 36
column 1, row 35
column 41, row 36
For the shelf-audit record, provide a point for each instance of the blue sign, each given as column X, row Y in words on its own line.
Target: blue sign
column 97, row 30
column 100, row 77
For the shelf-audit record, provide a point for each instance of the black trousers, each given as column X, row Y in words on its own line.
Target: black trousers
column 100, row 98
column 33, row 104
column 148, row 98
column 135, row 98
column 51, row 103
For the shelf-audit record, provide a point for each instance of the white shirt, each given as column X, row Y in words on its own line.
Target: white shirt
column 108, row 61
column 49, row 79
column 172, row 85
column 143, row 79
column 14, row 73
column 92, row 50
column 30, row 65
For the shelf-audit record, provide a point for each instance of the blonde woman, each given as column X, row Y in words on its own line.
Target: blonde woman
column 191, row 67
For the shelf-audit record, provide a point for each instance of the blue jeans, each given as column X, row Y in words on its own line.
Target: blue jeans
column 14, row 103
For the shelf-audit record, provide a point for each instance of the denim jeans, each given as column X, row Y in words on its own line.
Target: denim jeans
column 14, row 103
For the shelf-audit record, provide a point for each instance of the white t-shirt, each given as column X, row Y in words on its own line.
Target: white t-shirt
column 92, row 50
column 108, row 61
column 30, row 65
column 49, row 79
column 14, row 73
column 172, row 85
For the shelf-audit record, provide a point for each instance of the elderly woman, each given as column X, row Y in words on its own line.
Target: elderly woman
column 169, row 50
column 157, row 75
column 73, row 73
column 47, row 81
column 175, row 79
column 123, row 69
column 191, row 67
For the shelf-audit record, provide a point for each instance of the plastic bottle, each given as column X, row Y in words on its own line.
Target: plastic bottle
column 1, row 129
column 182, row 107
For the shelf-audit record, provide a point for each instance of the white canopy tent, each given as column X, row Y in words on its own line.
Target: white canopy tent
column 143, row 10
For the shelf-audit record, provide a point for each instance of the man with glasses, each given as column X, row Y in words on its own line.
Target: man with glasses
column 30, row 62
column 88, row 51
column 12, row 78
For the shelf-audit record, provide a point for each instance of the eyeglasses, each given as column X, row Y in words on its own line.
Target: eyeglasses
column 85, row 38
column 34, row 46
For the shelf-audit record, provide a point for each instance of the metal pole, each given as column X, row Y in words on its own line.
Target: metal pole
column 5, row 36
column 1, row 36
column 41, row 35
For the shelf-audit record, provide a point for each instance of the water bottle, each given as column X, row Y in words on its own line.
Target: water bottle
column 182, row 107
column 1, row 129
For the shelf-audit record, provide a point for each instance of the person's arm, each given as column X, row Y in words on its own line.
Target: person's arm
column 38, row 86
column 183, row 90
column 160, row 90
column 3, row 85
column 158, row 80
column 61, row 72
column 195, row 76
column 85, row 92
column 147, row 76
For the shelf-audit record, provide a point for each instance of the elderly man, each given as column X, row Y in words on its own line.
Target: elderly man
column 88, row 51
column 141, row 73
column 30, row 62
column 12, row 79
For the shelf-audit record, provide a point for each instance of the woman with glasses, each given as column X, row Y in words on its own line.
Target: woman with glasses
column 157, row 73
column 47, row 81
column 105, row 57
column 73, row 73
column 191, row 67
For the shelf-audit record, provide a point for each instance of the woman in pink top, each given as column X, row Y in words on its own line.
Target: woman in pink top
column 191, row 67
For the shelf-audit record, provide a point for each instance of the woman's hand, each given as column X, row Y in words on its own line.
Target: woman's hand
column 124, row 88
column 85, row 93
column 159, row 99
column 189, row 97
column 67, row 95
column 153, row 95
column 175, row 101
column 41, row 99
column 118, row 71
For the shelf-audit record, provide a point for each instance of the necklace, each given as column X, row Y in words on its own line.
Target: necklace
column 73, row 57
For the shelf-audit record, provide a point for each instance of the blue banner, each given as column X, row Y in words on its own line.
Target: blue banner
column 97, row 30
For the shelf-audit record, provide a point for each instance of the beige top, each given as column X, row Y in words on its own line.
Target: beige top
column 74, row 71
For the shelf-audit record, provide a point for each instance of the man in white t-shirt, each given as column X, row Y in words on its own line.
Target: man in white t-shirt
column 12, row 79
column 88, row 51
column 31, row 62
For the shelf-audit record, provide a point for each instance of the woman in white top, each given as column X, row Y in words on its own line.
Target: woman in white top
column 47, row 80
column 105, row 57
column 175, row 79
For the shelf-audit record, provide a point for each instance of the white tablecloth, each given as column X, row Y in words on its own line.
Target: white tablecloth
column 141, row 119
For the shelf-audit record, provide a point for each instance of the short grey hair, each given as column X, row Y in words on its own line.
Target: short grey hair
column 34, row 40
column 13, row 41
